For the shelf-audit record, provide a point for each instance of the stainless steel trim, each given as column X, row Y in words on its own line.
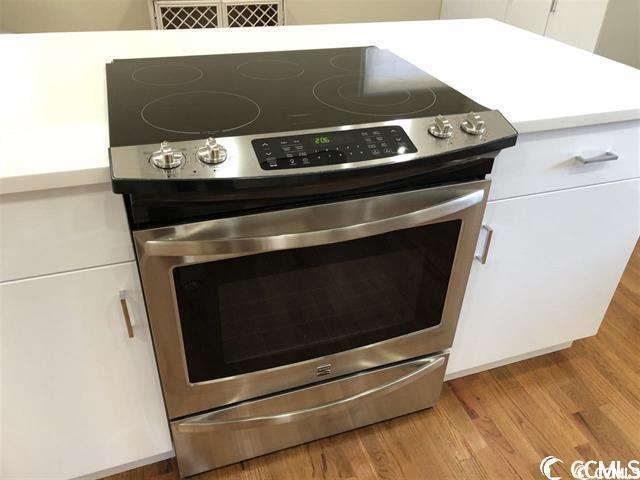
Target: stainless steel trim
column 487, row 243
column 210, row 421
column 132, row 162
column 210, row 239
column 605, row 157
column 183, row 397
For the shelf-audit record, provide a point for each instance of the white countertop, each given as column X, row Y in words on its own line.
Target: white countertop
column 53, row 109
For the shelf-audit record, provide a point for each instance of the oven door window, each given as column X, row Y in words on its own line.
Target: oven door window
column 250, row 313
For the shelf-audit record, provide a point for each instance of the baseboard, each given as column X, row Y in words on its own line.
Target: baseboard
column 127, row 466
column 506, row 361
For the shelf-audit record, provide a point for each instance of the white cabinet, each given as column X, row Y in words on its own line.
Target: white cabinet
column 473, row 9
column 531, row 15
column 554, row 262
column 78, row 395
column 576, row 22
column 50, row 231
column 546, row 161
column 528, row 14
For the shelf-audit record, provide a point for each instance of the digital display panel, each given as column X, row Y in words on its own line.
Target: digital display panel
column 330, row 148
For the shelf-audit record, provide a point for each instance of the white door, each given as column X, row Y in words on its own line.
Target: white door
column 473, row 9
column 78, row 395
column 528, row 14
column 577, row 22
column 553, row 264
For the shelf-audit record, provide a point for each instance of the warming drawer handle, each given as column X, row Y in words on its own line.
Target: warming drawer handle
column 208, row 422
column 605, row 157
column 184, row 246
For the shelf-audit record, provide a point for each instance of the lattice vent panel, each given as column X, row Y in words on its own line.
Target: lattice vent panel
column 252, row 14
column 171, row 17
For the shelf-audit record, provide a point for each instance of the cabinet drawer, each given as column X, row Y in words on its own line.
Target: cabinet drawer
column 78, row 394
column 546, row 161
column 53, row 231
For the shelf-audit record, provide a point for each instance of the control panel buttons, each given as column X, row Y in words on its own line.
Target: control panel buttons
column 166, row 157
column 473, row 124
column 441, row 128
column 211, row 152
column 331, row 147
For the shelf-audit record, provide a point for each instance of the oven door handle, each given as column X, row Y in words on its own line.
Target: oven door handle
column 205, row 243
column 210, row 422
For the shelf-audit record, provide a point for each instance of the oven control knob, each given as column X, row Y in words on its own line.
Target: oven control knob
column 167, row 158
column 473, row 124
column 441, row 128
column 211, row 152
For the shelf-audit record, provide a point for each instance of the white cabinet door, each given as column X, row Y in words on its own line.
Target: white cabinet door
column 528, row 14
column 473, row 9
column 78, row 395
column 52, row 231
column 553, row 264
column 577, row 22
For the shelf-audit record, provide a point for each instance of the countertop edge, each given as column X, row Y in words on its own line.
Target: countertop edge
column 592, row 119
column 54, row 180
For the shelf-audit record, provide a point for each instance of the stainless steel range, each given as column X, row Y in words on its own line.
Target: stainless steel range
column 304, row 224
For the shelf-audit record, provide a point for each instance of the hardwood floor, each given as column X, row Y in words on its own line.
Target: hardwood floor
column 580, row 403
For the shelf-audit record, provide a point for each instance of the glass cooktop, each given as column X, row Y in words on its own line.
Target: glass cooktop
column 187, row 98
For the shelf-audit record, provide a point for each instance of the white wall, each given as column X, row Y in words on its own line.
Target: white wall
column 620, row 32
column 300, row 12
column 26, row 16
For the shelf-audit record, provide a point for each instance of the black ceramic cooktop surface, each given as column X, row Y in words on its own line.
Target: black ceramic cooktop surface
column 187, row 98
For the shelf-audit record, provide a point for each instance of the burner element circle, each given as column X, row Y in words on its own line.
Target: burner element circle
column 201, row 112
column 348, row 62
column 270, row 69
column 167, row 74
column 350, row 94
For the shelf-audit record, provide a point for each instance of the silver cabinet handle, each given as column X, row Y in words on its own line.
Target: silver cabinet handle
column 125, row 313
column 487, row 243
column 208, row 422
column 605, row 157
column 207, row 240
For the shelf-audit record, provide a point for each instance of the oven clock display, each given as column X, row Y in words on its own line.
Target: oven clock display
column 321, row 140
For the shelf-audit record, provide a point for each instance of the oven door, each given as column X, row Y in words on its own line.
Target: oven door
column 246, row 306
